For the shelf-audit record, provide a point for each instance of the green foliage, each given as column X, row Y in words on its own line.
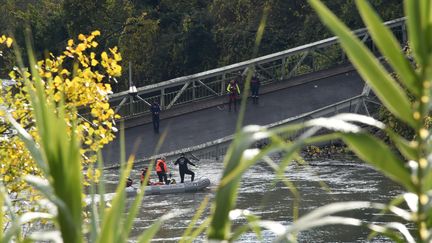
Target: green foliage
column 410, row 165
column 167, row 39
column 57, row 153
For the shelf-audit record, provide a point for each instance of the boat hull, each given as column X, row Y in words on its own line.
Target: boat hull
column 194, row 186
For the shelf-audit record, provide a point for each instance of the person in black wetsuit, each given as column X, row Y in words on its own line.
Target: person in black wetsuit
column 155, row 110
column 183, row 168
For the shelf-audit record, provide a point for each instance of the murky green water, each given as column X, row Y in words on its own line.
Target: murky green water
column 271, row 200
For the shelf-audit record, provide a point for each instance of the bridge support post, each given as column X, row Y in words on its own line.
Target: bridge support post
column 283, row 71
column 193, row 90
column 404, row 34
column 223, row 84
column 162, row 99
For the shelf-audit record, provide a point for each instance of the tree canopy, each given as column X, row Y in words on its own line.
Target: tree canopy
column 165, row 39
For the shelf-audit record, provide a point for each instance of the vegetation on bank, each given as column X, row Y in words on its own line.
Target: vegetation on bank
column 80, row 78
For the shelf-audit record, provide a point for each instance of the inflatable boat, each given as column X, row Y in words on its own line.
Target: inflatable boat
column 194, row 186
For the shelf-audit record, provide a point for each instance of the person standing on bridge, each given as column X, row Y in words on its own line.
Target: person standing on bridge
column 183, row 168
column 155, row 110
column 255, row 85
column 233, row 91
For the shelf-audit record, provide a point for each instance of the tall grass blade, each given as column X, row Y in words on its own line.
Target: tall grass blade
column 203, row 226
column 149, row 234
column 426, row 21
column 30, row 144
column 415, row 31
column 2, row 212
column 226, row 195
column 111, row 230
column 368, row 66
column 258, row 38
column 307, row 221
column 389, row 47
column 380, row 156
column 132, row 212
column 404, row 146
column 47, row 236
column 101, row 186
column 194, row 220
column 61, row 152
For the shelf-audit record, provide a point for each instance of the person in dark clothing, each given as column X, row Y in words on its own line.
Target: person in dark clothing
column 155, row 110
column 143, row 175
column 233, row 91
column 255, row 84
column 183, row 168
column 129, row 182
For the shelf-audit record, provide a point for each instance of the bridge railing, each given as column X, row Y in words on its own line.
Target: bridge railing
column 276, row 67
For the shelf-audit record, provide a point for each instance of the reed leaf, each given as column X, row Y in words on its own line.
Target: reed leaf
column 2, row 212
column 378, row 154
column 415, row 30
column 110, row 229
column 61, row 152
column 226, row 195
column 368, row 66
column 426, row 21
column 194, row 220
column 405, row 147
column 389, row 47
column 149, row 233
column 30, row 144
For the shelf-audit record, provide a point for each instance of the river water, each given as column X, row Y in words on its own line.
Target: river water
column 262, row 194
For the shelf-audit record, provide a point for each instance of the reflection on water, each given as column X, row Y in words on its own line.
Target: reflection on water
column 270, row 199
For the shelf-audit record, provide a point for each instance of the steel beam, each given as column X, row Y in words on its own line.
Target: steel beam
column 208, row 88
column 178, row 95
column 298, row 64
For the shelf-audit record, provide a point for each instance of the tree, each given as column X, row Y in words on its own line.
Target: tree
column 144, row 31
column 79, row 78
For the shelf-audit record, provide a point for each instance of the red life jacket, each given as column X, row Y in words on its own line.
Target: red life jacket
column 161, row 166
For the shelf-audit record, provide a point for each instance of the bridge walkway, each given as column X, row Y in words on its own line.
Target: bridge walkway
column 210, row 123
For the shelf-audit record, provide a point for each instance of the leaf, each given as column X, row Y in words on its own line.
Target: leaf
column 368, row 66
column 195, row 218
column 378, row 154
column 389, row 47
column 47, row 236
column 404, row 146
column 31, row 145
column 43, row 187
column 149, row 233
column 367, row 120
column 110, row 231
column 30, row 216
column 227, row 193
column 415, row 31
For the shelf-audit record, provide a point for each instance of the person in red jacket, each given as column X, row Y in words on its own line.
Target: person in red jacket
column 162, row 170
column 233, row 91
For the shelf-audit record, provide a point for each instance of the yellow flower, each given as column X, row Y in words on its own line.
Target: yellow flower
column 9, row 42
column 94, row 62
column 81, row 37
column 96, row 33
column 70, row 42
column 81, row 47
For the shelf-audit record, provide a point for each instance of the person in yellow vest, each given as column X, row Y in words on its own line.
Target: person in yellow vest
column 233, row 91
column 162, row 170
